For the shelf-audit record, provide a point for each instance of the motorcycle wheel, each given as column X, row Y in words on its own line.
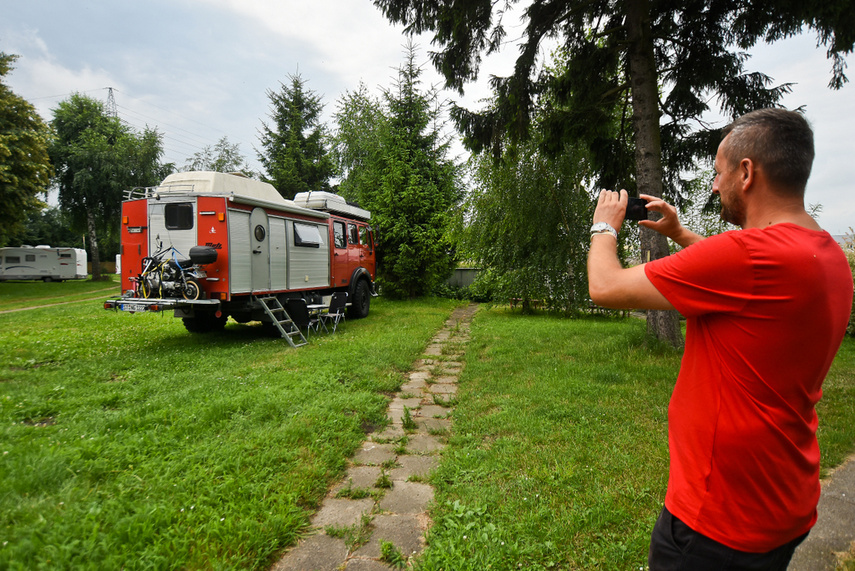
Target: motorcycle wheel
column 192, row 290
column 145, row 289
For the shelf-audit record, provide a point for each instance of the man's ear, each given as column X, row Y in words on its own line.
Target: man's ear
column 747, row 173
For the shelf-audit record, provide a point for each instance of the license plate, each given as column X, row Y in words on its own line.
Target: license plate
column 133, row 307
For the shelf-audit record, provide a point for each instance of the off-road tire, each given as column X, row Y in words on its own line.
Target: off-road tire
column 361, row 302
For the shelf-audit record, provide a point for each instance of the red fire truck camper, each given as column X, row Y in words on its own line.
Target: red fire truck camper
column 251, row 249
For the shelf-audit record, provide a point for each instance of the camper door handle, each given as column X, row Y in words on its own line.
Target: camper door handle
column 256, row 251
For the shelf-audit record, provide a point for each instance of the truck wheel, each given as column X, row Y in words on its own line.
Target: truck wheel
column 361, row 301
column 192, row 290
column 205, row 322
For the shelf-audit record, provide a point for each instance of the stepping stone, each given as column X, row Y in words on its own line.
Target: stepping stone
column 432, row 411
column 435, row 425
column 403, row 531
column 419, row 375
column 318, row 552
column 375, row 454
column 342, row 512
column 390, row 433
column 399, row 403
column 358, row 477
column 413, row 386
column 424, row 443
column 407, row 498
column 420, row 466
column 444, row 389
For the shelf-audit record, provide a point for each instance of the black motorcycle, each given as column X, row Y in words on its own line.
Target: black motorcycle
column 166, row 275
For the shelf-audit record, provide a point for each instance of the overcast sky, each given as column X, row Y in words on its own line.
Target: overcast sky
column 199, row 70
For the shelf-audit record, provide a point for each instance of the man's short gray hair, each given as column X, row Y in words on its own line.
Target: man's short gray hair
column 777, row 140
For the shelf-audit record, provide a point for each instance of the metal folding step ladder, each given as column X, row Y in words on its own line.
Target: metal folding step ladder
column 283, row 322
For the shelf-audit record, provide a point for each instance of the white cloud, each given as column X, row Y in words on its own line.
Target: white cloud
column 43, row 80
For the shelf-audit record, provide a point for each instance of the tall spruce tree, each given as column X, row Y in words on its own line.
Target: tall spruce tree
column 672, row 57
column 396, row 164
column 294, row 147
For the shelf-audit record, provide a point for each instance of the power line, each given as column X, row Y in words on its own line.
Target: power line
column 179, row 144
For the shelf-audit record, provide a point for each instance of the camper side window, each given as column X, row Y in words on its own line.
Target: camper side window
column 13, row 259
column 30, row 258
column 340, row 239
column 179, row 216
column 307, row 236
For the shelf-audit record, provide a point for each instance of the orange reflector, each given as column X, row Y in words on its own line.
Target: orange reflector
column 124, row 219
column 221, row 216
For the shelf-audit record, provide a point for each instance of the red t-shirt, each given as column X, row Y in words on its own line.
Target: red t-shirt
column 766, row 312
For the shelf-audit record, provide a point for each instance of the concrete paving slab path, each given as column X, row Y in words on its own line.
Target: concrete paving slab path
column 832, row 539
column 392, row 468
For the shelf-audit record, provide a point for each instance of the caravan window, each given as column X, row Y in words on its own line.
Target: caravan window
column 179, row 216
column 30, row 257
column 13, row 259
column 307, row 236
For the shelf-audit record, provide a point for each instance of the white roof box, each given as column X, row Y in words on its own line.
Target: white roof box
column 219, row 183
column 329, row 202
column 236, row 186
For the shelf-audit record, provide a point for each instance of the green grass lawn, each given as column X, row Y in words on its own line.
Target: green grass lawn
column 129, row 443
column 18, row 294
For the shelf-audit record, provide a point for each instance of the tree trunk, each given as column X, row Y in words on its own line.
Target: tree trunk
column 644, row 87
column 93, row 246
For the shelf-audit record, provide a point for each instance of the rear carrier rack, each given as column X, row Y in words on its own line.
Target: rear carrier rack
column 153, row 191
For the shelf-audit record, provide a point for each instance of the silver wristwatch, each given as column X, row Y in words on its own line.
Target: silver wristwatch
column 603, row 228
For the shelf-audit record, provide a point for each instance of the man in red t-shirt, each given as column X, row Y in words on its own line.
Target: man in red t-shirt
column 766, row 308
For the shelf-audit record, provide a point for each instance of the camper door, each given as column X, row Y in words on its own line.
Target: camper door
column 260, row 244
column 172, row 222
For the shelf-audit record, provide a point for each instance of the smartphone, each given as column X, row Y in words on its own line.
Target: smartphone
column 636, row 209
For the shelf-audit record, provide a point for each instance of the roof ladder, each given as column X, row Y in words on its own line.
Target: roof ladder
column 283, row 322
